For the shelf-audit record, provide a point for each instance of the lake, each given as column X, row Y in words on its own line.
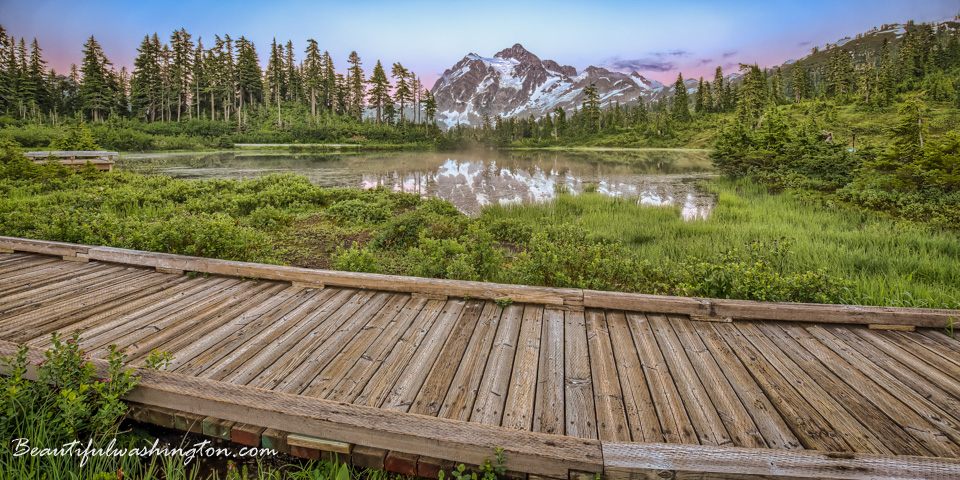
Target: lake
column 469, row 180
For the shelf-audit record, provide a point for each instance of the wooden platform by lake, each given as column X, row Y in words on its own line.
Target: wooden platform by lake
column 415, row 374
column 101, row 159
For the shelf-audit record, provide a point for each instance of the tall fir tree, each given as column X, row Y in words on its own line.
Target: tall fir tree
column 801, row 82
column 356, row 89
column 719, row 104
column 145, row 87
column 403, row 93
column 379, row 90
column 181, row 65
column 96, row 88
column 681, row 101
column 312, row 74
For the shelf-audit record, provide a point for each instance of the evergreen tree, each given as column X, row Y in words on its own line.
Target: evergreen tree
column 707, row 97
column 885, row 75
column 840, row 72
column 718, row 91
column 801, row 82
column 200, row 81
column 312, row 74
column 328, row 83
column 698, row 98
column 146, row 85
column 355, row 85
column 591, row 107
column 403, row 93
column 294, row 87
column 36, row 76
column 430, row 109
column 249, row 80
column 379, row 91
column 181, row 65
column 96, row 89
column 681, row 101
column 778, row 86
column 752, row 97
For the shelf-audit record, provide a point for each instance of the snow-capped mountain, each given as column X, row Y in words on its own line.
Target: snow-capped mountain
column 516, row 83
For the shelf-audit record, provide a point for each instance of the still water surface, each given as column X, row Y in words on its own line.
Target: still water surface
column 470, row 180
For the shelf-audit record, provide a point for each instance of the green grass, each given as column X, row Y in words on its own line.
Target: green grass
column 889, row 262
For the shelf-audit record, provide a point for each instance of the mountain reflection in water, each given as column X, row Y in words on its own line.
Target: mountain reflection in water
column 469, row 180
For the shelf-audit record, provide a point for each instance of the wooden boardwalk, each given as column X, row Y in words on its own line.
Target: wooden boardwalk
column 624, row 392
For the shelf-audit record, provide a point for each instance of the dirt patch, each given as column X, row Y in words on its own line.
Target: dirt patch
column 310, row 242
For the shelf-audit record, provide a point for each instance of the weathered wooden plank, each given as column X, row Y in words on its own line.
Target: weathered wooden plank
column 548, row 411
column 339, row 365
column 276, row 439
column 72, row 285
column 710, row 428
column 806, row 422
column 518, row 409
column 620, row 460
column 843, row 422
column 413, row 321
column 265, row 362
column 870, row 405
column 478, row 290
column 126, row 328
column 674, row 422
column 936, row 343
column 235, row 347
column 638, row 404
column 819, row 313
column 202, row 346
column 250, row 353
column 774, row 429
column 217, row 428
column 902, row 328
column 301, row 377
column 437, row 382
column 919, row 435
column 368, row 457
column 246, row 434
column 177, row 329
column 740, row 426
column 492, row 392
column 42, row 246
column 645, row 303
column 612, row 423
column 280, row 370
column 581, row 414
column 413, row 356
column 924, row 391
column 325, row 445
column 458, row 401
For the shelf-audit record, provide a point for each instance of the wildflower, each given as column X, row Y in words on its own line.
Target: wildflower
column 105, row 380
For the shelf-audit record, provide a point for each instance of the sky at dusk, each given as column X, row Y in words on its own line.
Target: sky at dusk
column 656, row 38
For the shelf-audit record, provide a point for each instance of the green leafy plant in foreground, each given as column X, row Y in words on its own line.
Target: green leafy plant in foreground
column 488, row 471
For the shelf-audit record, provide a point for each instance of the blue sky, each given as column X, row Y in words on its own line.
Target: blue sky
column 657, row 38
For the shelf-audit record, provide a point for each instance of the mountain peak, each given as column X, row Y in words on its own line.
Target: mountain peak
column 517, row 52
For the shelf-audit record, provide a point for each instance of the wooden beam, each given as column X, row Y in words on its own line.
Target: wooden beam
column 318, row 443
column 637, row 460
column 459, row 441
column 566, row 298
column 42, row 246
column 902, row 328
column 393, row 283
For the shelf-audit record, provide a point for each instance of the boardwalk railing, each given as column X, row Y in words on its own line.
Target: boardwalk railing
column 563, row 298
